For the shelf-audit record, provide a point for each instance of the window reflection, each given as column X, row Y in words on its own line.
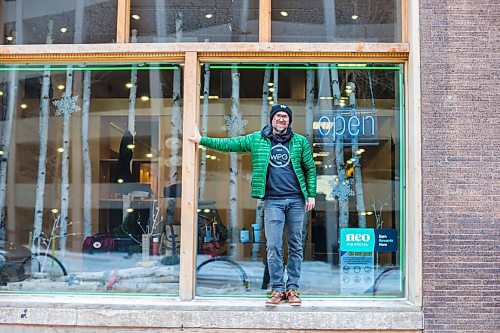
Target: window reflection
column 351, row 113
column 58, row 22
column 88, row 164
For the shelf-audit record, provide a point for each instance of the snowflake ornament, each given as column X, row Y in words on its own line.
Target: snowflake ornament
column 235, row 125
column 66, row 104
column 342, row 189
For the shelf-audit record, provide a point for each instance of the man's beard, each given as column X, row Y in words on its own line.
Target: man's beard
column 280, row 129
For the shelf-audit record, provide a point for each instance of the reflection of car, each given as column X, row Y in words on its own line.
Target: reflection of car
column 15, row 263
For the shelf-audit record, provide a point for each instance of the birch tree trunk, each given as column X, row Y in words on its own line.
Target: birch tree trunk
column 204, row 130
column 65, row 166
column 176, row 129
column 358, row 179
column 42, row 154
column 233, row 165
column 276, row 85
column 133, row 91
column 259, row 210
column 79, row 10
column 339, row 155
column 161, row 15
column 7, row 130
column 309, row 136
column 87, row 167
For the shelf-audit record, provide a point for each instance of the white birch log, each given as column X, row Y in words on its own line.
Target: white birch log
column 133, row 91
column 87, row 167
column 233, row 165
column 204, row 130
column 63, row 228
column 358, row 179
column 343, row 199
column 259, row 210
column 309, row 136
column 244, row 20
column 179, row 26
column 19, row 37
column 6, row 138
column 79, row 10
column 42, row 154
column 276, row 85
column 161, row 16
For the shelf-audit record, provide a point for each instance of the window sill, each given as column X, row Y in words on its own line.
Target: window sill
column 208, row 313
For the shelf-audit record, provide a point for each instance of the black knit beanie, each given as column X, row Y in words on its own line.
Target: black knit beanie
column 280, row 107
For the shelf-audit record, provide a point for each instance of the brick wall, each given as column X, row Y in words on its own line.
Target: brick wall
column 460, row 79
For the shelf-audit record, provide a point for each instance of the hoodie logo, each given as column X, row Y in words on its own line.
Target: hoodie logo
column 280, row 156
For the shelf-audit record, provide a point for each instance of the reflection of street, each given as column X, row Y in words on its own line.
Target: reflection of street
column 93, row 272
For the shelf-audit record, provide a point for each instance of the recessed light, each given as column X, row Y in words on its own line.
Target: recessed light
column 136, row 17
column 1, row 152
column 1, row 93
column 119, row 180
column 60, row 149
column 355, row 17
column 54, row 210
column 131, row 146
column 271, row 89
column 209, row 16
column 149, row 155
column 63, row 30
column 60, row 87
column 10, row 38
column 24, row 106
column 213, row 157
column 130, row 210
column 129, row 85
column 145, row 98
column 270, row 98
column 270, row 84
column 283, row 13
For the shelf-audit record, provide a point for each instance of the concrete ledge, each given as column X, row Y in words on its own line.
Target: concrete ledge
column 236, row 314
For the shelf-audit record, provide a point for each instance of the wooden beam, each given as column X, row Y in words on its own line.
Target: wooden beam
column 123, row 22
column 174, row 52
column 404, row 20
column 189, row 217
column 264, row 21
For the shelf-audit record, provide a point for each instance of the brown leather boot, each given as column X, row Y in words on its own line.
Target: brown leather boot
column 292, row 297
column 276, row 298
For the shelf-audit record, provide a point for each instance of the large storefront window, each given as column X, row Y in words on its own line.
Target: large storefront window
column 89, row 178
column 57, row 22
column 353, row 116
column 336, row 21
column 194, row 21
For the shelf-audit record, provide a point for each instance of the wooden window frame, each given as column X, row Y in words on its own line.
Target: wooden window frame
column 192, row 54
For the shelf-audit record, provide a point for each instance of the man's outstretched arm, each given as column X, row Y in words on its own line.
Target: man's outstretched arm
column 238, row 144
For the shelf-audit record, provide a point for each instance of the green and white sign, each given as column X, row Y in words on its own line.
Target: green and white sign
column 357, row 239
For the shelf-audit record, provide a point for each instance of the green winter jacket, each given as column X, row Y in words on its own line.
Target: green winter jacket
column 260, row 147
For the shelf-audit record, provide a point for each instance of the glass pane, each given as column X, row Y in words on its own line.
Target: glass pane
column 336, row 21
column 58, row 22
column 168, row 21
column 351, row 114
column 89, row 178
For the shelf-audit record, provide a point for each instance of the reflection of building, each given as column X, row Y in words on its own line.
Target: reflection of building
column 185, row 68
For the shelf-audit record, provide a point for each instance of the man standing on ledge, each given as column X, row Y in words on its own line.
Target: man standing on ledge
column 284, row 176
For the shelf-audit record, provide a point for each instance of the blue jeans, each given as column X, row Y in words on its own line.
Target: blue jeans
column 288, row 213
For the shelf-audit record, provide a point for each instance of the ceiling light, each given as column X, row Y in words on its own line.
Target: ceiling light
column 283, row 13
column 63, row 29
column 213, row 157
column 130, row 210
column 145, row 98
column 270, row 98
column 1, row 152
column 355, row 17
column 271, row 89
column 24, row 106
column 209, row 16
column 1, row 93
column 10, row 38
column 129, row 85
column 149, row 155
column 60, row 149
column 131, row 146
column 271, row 102
column 270, row 84
column 136, row 17
column 206, row 210
column 119, row 180
column 54, row 210
column 369, row 213
column 60, row 87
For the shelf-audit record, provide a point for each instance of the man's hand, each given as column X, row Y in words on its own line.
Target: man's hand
column 196, row 137
column 310, row 204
